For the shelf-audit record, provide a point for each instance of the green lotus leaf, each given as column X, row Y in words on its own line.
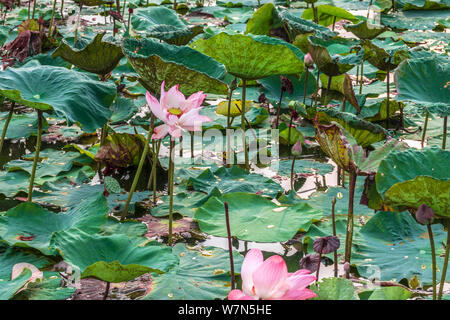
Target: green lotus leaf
column 9, row 288
column 47, row 289
column 365, row 133
column 114, row 258
column 363, row 30
column 342, row 84
column 328, row 14
column 124, row 109
column 22, row 125
column 335, row 289
column 156, row 62
column 255, row 218
column 201, row 275
column 376, row 109
column 121, row 149
column 285, row 139
column 298, row 26
column 263, row 20
column 394, row 246
column 423, row 4
column 410, row 178
column 235, row 108
column 425, row 81
column 30, row 225
column 12, row 256
column 164, row 24
column 414, row 20
column 252, row 57
column 255, row 117
column 387, row 58
column 112, row 185
column 234, row 179
column 70, row 94
column 390, row 293
column 99, row 56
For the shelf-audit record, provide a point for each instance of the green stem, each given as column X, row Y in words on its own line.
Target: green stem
column 244, row 140
column 444, row 268
column 192, row 144
column 330, row 78
column 62, row 8
column 350, row 222
column 368, row 9
column 444, row 138
column 5, row 127
column 51, row 19
column 387, row 96
column 78, row 24
column 230, row 247
column 334, row 22
column 433, row 258
column 292, row 174
column 333, row 218
column 317, row 88
column 36, row 157
column 170, row 187
column 278, row 111
column 425, row 125
column 316, row 20
column 34, row 9
column 362, row 77
column 141, row 164
column 304, row 88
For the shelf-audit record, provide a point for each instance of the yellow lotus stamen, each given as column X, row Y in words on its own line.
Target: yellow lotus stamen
column 175, row 111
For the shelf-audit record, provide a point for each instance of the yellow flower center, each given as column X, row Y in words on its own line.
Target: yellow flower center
column 175, row 111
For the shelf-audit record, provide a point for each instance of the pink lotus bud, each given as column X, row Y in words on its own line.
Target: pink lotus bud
column 424, row 214
column 297, row 149
column 308, row 60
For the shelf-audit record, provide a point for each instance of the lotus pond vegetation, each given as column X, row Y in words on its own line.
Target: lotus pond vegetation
column 214, row 150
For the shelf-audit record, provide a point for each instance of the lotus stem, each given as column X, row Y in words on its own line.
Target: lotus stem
column 181, row 146
column 333, row 219
column 304, row 88
column 289, row 130
column 334, row 22
column 170, row 187
column 425, row 125
column 244, row 140
column 292, row 174
column 228, row 159
column 317, row 88
column 350, row 222
column 105, row 295
column 444, row 138
column 279, row 109
column 29, row 9
column 174, row 4
column 78, row 24
column 34, row 9
column 123, row 11
column 139, row 170
column 118, row 6
column 446, row 257
column 104, row 12
column 338, row 182
column 343, row 178
column 129, row 20
column 387, row 96
column 393, row 6
column 318, row 264
column 36, row 157
column 62, row 8
column 5, row 127
column 329, row 85
column 316, row 19
column 433, row 258
column 362, row 77
column 230, row 247
column 357, row 74
column 192, row 144
column 51, row 19
column 368, row 9
column 152, row 179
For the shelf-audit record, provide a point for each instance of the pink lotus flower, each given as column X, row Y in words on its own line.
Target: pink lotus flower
column 270, row 280
column 178, row 113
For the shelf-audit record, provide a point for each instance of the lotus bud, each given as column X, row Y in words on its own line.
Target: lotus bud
column 310, row 262
column 326, row 245
column 347, row 269
column 233, row 84
column 286, row 85
column 297, row 149
column 424, row 214
column 308, row 60
column 130, row 10
column 262, row 98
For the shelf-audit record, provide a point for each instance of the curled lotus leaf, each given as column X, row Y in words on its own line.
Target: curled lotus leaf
column 98, row 56
column 364, row 132
column 68, row 93
column 263, row 20
column 407, row 179
column 328, row 14
column 121, row 150
column 252, row 57
column 342, row 84
column 298, row 26
column 364, row 30
column 386, row 59
column 157, row 61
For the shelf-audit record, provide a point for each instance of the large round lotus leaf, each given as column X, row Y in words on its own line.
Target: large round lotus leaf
column 99, row 57
column 365, row 133
column 114, row 258
column 394, row 246
column 21, row 125
column 425, row 81
column 365, row 31
column 298, row 26
column 235, row 107
column 157, row 61
column 414, row 20
column 164, row 24
column 69, row 93
column 255, row 218
column 328, row 14
column 201, row 275
column 387, row 58
column 234, row 179
column 30, row 225
column 413, row 177
column 252, row 57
